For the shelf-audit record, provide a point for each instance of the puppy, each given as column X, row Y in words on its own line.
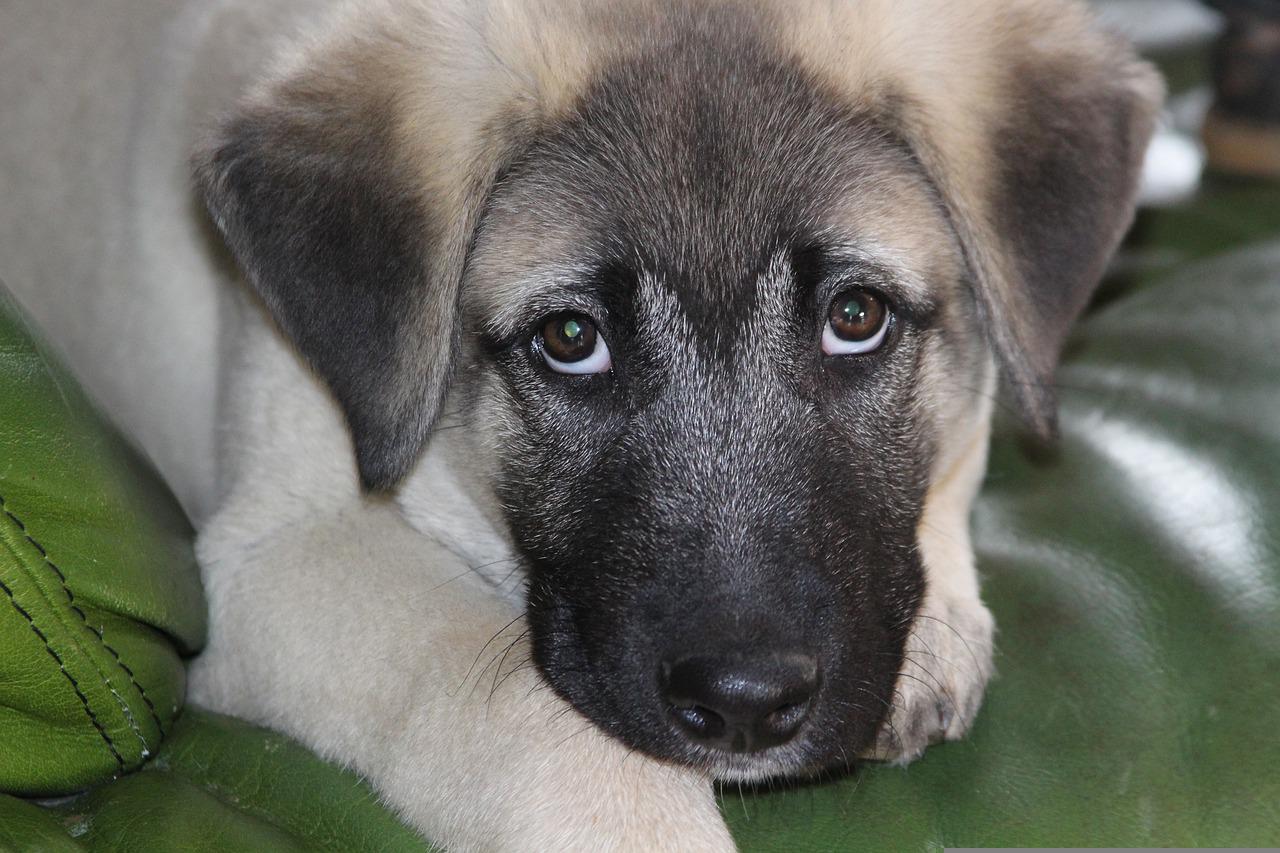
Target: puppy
column 613, row 379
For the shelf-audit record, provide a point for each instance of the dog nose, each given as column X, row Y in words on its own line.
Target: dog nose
column 740, row 703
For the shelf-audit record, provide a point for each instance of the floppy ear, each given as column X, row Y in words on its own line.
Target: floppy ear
column 1031, row 123
column 1065, row 157
column 347, row 190
column 338, row 245
column 1041, row 187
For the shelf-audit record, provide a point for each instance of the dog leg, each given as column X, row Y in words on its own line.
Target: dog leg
column 334, row 621
column 380, row 650
column 948, row 656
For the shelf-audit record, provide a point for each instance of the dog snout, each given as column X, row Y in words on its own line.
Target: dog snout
column 740, row 702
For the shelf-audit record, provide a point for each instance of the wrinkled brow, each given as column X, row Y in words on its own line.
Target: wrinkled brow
column 872, row 264
column 505, row 312
column 508, row 311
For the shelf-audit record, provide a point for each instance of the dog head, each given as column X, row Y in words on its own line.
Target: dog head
column 720, row 288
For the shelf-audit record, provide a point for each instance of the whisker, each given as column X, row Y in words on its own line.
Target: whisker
column 572, row 735
column 478, row 569
column 976, row 663
column 480, row 653
column 498, row 675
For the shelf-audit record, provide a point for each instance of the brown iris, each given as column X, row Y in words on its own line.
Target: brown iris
column 857, row 315
column 569, row 337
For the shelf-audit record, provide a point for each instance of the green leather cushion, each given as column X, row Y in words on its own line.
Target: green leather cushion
column 218, row 784
column 99, row 592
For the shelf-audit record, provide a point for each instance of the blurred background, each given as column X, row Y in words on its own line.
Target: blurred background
column 1212, row 179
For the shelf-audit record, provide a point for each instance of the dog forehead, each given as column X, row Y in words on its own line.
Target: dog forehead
column 701, row 184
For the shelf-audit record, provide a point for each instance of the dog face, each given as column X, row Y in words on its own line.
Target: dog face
column 720, row 485
column 722, row 285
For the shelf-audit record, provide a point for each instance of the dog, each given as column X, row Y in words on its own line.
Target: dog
column 577, row 401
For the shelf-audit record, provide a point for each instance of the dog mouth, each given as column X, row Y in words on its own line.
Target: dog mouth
column 820, row 745
column 792, row 742
column 795, row 741
column 745, row 712
column 787, row 761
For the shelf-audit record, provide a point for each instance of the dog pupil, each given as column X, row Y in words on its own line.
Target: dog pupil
column 856, row 316
column 569, row 338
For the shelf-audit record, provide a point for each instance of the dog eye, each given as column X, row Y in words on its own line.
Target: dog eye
column 570, row 343
column 856, row 323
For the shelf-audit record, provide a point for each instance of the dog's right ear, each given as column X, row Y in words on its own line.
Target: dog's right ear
column 347, row 189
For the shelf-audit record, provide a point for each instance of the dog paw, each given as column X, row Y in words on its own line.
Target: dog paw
column 945, row 669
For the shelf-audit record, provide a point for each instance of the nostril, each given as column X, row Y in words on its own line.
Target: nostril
column 700, row 722
column 738, row 702
column 785, row 719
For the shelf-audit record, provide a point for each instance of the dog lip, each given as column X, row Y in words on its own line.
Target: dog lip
column 776, row 762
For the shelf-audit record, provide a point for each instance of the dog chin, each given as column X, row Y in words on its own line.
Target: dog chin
column 788, row 761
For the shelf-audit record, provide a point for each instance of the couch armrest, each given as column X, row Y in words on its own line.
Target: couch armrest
column 100, row 595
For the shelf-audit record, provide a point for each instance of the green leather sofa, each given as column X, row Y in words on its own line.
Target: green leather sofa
column 1134, row 570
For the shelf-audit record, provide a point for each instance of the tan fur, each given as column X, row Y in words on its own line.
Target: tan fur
column 948, row 656
column 945, row 72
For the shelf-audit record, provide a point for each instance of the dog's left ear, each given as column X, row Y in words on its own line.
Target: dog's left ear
column 348, row 189
column 1033, row 124
column 1064, row 164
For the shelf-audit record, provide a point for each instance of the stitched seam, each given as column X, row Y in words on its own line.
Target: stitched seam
column 71, row 601
column 120, row 701
column 115, row 753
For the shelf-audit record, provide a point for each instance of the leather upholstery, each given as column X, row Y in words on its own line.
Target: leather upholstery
column 219, row 784
column 1134, row 571
column 99, row 592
